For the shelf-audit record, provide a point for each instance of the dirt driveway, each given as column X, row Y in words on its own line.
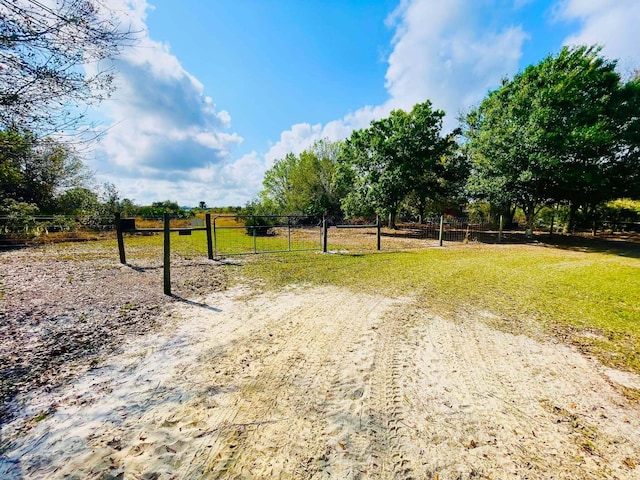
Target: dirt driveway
column 326, row 383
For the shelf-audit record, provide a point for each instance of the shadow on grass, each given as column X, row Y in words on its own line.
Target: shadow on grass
column 618, row 244
column 613, row 245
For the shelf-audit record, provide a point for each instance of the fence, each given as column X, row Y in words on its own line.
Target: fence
column 227, row 235
column 247, row 234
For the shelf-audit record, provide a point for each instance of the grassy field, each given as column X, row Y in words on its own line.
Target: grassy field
column 588, row 298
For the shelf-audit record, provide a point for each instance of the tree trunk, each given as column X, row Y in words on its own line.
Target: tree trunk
column 421, row 209
column 530, row 214
column 571, row 221
column 392, row 218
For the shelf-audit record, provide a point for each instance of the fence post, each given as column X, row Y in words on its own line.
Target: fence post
column 441, row 229
column 123, row 258
column 324, row 234
column 500, row 229
column 215, row 237
column 167, row 256
column 207, row 219
column 289, row 232
column 378, row 230
column 255, row 242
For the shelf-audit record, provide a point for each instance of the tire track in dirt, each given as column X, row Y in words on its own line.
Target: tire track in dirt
column 391, row 453
column 493, row 405
column 311, row 383
column 294, row 385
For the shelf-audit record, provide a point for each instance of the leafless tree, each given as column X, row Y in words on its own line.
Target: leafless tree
column 45, row 46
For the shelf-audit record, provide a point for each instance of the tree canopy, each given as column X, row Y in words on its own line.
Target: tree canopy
column 563, row 130
column 308, row 183
column 397, row 155
column 36, row 172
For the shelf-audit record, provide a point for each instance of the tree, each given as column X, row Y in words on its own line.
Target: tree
column 78, row 201
column 43, row 49
column 559, row 131
column 158, row 209
column 393, row 157
column 36, row 172
column 305, row 184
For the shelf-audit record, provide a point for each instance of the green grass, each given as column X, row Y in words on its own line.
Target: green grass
column 590, row 299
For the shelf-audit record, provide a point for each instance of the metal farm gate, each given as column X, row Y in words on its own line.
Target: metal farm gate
column 252, row 234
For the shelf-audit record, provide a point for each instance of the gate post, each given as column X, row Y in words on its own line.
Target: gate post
column 207, row 218
column 441, row 228
column 215, row 237
column 255, row 242
column 500, row 229
column 123, row 258
column 378, row 229
column 167, row 256
column 324, row 234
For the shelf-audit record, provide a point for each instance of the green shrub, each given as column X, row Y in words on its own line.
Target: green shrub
column 20, row 219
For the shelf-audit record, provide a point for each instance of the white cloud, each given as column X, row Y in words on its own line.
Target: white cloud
column 163, row 128
column 441, row 52
column 167, row 131
column 614, row 25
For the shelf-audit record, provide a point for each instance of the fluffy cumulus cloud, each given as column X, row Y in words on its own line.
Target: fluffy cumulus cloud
column 613, row 25
column 166, row 138
column 164, row 134
column 441, row 52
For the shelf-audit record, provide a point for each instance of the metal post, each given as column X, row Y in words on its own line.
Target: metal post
column 500, row 230
column 167, row 256
column 207, row 219
column 441, row 228
column 215, row 237
column 378, row 230
column 324, row 234
column 255, row 243
column 123, row 258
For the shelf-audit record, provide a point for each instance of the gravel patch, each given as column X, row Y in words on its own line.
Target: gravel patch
column 63, row 307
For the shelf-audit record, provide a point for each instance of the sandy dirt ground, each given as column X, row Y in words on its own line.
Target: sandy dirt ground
column 315, row 383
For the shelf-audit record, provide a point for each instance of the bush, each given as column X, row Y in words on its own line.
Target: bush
column 20, row 219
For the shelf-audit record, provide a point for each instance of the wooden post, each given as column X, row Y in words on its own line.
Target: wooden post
column 500, row 229
column 123, row 258
column 289, row 231
column 324, row 234
column 378, row 230
column 167, row 256
column 441, row 228
column 207, row 219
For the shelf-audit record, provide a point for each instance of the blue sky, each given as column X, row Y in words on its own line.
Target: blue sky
column 217, row 90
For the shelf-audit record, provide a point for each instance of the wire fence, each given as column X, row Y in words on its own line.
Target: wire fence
column 252, row 234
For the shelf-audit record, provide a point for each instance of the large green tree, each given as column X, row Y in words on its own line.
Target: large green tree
column 308, row 183
column 560, row 131
column 36, row 172
column 397, row 155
